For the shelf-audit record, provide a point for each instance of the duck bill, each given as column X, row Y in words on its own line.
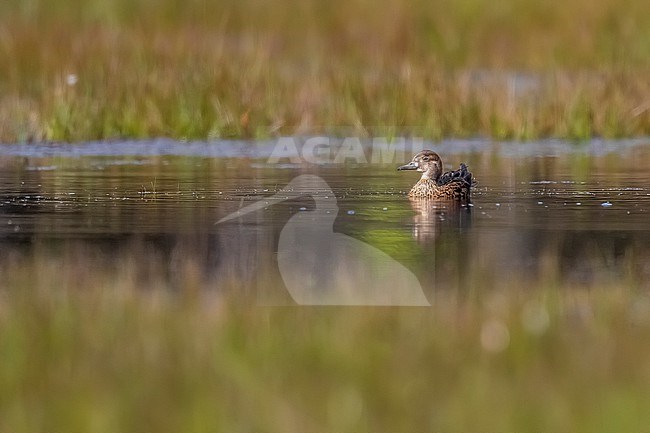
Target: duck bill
column 410, row 166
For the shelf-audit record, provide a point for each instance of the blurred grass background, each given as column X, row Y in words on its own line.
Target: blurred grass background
column 87, row 348
column 96, row 69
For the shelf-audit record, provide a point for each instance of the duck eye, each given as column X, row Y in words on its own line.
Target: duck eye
column 426, row 158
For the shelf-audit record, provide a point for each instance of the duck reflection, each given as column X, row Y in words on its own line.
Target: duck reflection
column 432, row 216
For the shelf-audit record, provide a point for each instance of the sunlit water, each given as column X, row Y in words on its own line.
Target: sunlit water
column 552, row 212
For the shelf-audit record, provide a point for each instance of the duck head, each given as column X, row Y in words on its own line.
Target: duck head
column 426, row 162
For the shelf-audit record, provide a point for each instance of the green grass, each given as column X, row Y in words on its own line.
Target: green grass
column 200, row 69
column 99, row 348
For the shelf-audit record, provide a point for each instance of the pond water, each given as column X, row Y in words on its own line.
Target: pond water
column 563, row 213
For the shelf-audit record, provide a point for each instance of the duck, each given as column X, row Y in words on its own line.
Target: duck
column 434, row 184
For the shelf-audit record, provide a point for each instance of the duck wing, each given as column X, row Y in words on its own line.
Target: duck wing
column 462, row 176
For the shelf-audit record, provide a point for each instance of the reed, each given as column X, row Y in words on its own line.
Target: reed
column 197, row 69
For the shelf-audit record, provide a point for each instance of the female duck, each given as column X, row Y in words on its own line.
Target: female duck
column 434, row 184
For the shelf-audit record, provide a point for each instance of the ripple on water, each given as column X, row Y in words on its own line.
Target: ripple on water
column 532, row 202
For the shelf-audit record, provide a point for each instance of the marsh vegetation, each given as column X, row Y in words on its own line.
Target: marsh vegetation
column 195, row 69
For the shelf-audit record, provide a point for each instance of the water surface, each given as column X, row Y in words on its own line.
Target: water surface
column 557, row 212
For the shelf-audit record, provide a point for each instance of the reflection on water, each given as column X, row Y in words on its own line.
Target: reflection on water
column 431, row 217
column 571, row 217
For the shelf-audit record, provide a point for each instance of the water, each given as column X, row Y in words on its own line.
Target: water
column 556, row 212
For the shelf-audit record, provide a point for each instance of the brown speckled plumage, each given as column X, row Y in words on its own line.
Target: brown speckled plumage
column 452, row 185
